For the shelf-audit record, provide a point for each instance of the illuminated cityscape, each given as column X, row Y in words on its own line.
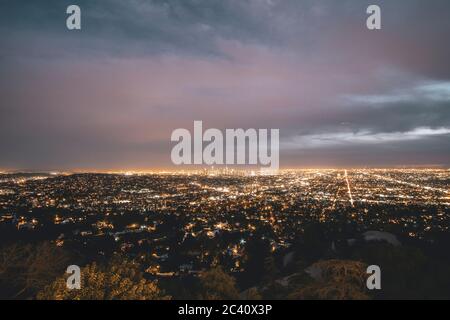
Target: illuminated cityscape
column 181, row 224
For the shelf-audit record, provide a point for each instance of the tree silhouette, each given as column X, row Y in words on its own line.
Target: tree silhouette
column 218, row 285
column 25, row 269
column 338, row 280
column 257, row 253
column 117, row 281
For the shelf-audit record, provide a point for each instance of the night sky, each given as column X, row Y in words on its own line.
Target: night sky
column 109, row 96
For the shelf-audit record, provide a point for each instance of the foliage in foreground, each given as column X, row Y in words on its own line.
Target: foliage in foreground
column 339, row 280
column 25, row 269
column 118, row 281
column 218, row 285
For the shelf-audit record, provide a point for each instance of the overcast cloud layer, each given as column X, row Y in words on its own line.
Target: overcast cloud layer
column 109, row 96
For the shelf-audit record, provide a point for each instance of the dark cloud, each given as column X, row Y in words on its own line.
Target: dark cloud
column 110, row 94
